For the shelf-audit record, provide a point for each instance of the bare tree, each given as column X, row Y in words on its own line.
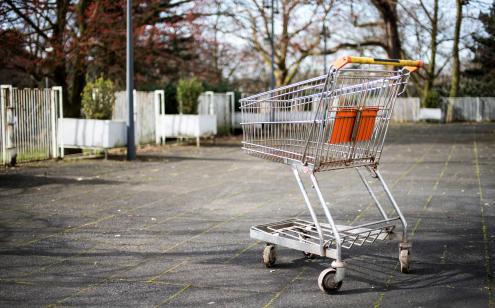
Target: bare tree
column 297, row 33
column 388, row 13
column 456, row 65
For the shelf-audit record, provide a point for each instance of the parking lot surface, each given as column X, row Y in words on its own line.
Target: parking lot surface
column 172, row 228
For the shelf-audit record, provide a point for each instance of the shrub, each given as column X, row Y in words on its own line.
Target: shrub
column 188, row 91
column 98, row 98
column 432, row 99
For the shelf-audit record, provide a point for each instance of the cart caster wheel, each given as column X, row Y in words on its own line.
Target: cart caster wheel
column 404, row 258
column 309, row 255
column 269, row 255
column 326, row 281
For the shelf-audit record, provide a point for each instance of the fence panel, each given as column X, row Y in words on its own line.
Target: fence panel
column 28, row 123
column 406, row 109
column 33, row 133
column 221, row 105
column 488, row 113
column 144, row 114
column 3, row 93
column 470, row 109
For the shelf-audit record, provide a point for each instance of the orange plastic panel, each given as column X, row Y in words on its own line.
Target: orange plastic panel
column 343, row 126
column 366, row 124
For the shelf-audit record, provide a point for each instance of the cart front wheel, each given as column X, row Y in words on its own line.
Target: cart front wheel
column 404, row 258
column 326, row 281
column 269, row 255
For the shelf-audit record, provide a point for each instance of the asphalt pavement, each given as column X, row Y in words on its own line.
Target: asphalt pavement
column 172, row 228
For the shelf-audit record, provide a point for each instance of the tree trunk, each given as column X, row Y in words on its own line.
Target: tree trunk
column 79, row 67
column 430, row 72
column 388, row 11
column 454, row 83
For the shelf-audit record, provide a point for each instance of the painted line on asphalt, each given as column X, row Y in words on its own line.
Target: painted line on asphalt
column 169, row 249
column 360, row 215
column 277, row 295
column 168, row 270
column 250, row 246
column 92, row 249
column 401, row 176
column 484, row 229
column 193, row 286
column 392, row 275
column 173, row 296
column 123, row 212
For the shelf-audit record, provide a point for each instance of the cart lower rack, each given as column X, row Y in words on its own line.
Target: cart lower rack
column 335, row 121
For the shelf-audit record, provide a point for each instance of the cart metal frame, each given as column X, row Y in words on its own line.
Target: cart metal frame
column 334, row 121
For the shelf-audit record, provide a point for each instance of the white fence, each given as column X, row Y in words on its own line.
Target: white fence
column 471, row 109
column 28, row 124
column 222, row 106
column 406, row 109
column 94, row 134
column 146, row 110
column 187, row 126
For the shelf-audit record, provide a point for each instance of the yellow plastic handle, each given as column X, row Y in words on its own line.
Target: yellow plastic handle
column 411, row 65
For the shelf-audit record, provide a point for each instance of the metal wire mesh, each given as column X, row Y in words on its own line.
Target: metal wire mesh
column 328, row 122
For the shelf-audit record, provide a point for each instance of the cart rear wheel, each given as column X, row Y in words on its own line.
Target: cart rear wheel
column 326, row 281
column 269, row 255
column 404, row 258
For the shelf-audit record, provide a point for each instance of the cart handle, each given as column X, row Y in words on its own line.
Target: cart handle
column 410, row 65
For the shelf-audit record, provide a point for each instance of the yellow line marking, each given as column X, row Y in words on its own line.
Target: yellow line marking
column 418, row 221
column 444, row 254
column 91, row 223
column 484, row 229
column 123, row 212
column 248, row 247
column 130, row 267
column 152, row 280
column 277, row 295
column 378, row 302
column 180, row 284
column 243, row 250
column 173, row 296
column 205, row 231
column 359, row 216
column 401, row 176
column 22, row 282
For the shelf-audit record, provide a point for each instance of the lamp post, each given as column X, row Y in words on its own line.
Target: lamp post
column 131, row 146
column 270, row 4
column 324, row 48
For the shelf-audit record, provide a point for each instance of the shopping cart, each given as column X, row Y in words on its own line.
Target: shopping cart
column 334, row 121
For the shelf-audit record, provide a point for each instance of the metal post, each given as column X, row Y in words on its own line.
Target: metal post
column 335, row 231
column 59, row 119
column 3, row 122
column 311, row 210
column 396, row 207
column 324, row 48
column 272, row 82
column 131, row 147
column 159, row 112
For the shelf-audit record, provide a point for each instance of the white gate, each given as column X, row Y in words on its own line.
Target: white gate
column 29, row 123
